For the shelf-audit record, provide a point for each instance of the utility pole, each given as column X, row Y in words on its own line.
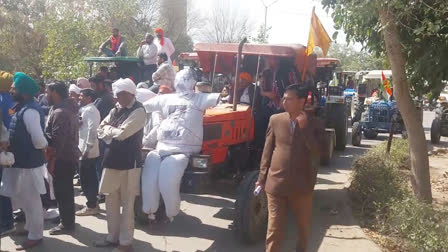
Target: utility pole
column 266, row 16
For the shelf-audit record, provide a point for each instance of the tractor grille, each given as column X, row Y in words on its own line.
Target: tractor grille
column 379, row 112
column 336, row 91
column 212, row 132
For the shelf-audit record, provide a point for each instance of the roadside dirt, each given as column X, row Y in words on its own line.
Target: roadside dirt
column 438, row 162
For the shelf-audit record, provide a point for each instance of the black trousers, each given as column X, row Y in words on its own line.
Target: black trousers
column 64, row 191
column 89, row 181
column 148, row 70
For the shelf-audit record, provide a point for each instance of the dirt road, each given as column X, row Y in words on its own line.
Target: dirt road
column 206, row 220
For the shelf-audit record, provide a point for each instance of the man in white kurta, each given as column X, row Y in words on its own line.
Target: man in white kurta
column 122, row 130
column 164, row 44
column 24, row 181
column 178, row 136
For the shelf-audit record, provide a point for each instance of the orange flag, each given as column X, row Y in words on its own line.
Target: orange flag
column 386, row 84
column 318, row 36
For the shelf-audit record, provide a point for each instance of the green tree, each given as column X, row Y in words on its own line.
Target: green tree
column 262, row 35
column 353, row 60
column 414, row 36
column 21, row 44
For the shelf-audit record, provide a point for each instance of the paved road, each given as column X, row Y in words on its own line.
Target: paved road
column 205, row 221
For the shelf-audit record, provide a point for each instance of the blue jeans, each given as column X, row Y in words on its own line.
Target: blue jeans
column 6, row 218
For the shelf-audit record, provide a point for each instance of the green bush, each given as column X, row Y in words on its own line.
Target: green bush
column 376, row 179
column 380, row 189
column 422, row 227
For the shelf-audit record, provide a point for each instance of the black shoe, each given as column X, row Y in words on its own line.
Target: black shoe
column 76, row 176
column 61, row 229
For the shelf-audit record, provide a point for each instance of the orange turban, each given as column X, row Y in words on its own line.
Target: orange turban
column 160, row 31
column 246, row 76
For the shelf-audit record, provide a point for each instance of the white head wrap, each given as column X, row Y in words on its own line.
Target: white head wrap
column 142, row 85
column 184, row 82
column 144, row 95
column 74, row 88
column 126, row 85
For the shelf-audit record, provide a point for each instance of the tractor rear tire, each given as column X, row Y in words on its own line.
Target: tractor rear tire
column 357, row 114
column 251, row 212
column 356, row 134
column 341, row 126
column 435, row 131
column 370, row 134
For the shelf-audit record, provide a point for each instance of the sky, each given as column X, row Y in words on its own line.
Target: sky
column 289, row 19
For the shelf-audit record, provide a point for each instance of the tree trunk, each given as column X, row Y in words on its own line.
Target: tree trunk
column 420, row 178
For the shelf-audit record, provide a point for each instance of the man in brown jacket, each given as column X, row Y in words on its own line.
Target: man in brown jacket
column 287, row 173
column 62, row 152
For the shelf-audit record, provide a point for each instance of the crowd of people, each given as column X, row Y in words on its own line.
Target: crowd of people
column 98, row 127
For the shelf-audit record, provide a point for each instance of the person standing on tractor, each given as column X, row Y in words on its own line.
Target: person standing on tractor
column 117, row 45
column 164, row 44
column 287, row 173
column 148, row 52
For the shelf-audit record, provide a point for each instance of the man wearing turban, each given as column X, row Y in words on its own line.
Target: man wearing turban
column 6, row 103
column 245, row 92
column 122, row 130
column 24, row 181
column 163, row 43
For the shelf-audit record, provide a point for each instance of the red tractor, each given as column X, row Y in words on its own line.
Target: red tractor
column 231, row 149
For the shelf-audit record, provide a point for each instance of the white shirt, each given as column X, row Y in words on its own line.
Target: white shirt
column 31, row 119
column 245, row 98
column 167, row 47
column 88, row 134
column 149, row 53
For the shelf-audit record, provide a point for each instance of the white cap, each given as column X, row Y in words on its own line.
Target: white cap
column 74, row 88
column 126, row 85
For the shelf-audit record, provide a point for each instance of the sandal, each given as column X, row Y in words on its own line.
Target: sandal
column 29, row 244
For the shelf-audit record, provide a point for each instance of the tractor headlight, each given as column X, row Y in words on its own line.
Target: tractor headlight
column 200, row 162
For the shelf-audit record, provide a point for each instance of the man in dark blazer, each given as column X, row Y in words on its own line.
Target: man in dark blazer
column 288, row 167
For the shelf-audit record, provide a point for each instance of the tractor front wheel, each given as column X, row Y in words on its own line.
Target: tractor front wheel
column 356, row 134
column 435, row 131
column 370, row 134
column 251, row 212
column 341, row 126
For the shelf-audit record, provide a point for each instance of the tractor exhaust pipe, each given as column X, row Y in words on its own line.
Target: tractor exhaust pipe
column 237, row 72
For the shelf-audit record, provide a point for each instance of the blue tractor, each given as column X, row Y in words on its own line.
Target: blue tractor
column 378, row 117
